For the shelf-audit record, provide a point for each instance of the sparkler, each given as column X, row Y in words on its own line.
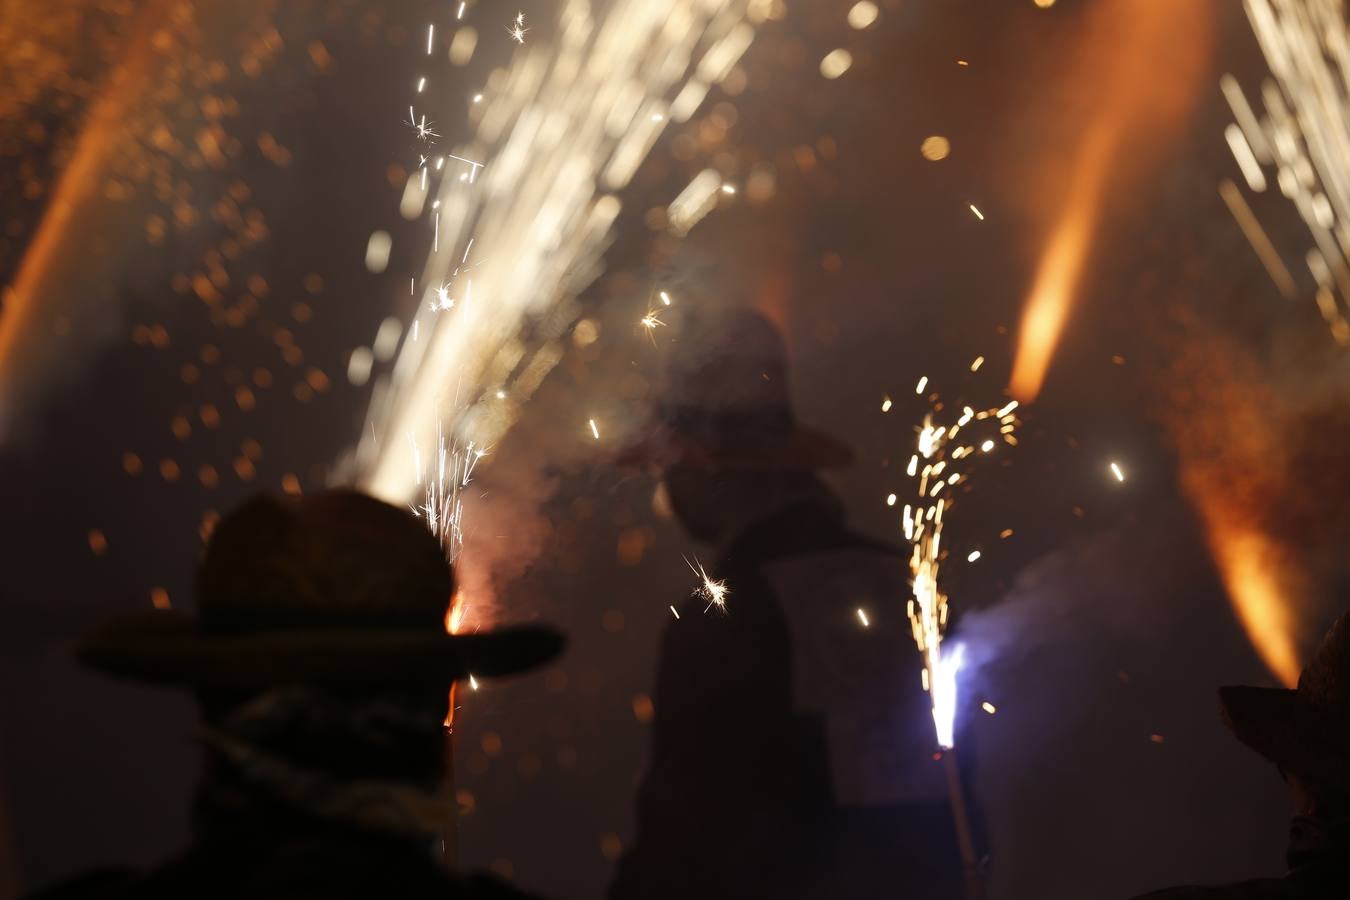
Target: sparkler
column 517, row 28
column 942, row 453
column 710, row 589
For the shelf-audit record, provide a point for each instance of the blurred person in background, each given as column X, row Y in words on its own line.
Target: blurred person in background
column 1306, row 733
column 792, row 746
column 321, row 664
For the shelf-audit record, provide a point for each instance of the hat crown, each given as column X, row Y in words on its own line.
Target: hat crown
column 1322, row 685
column 728, row 363
column 338, row 559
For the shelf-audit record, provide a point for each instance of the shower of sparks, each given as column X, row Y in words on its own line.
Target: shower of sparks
column 568, row 179
column 710, row 589
column 1115, row 470
column 862, row 617
column 443, row 475
column 595, row 432
column 943, row 454
column 979, row 215
column 1301, row 142
column 517, row 28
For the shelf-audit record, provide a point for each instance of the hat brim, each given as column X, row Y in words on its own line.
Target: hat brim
column 800, row 448
column 1270, row 721
column 165, row 647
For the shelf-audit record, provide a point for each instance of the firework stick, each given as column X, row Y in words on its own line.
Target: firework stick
column 965, row 839
column 450, row 840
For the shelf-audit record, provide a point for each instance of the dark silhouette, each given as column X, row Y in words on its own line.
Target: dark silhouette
column 792, row 747
column 1306, row 733
column 321, row 663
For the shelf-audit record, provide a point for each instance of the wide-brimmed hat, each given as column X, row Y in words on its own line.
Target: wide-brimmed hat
column 336, row 588
column 1304, row 731
column 725, row 402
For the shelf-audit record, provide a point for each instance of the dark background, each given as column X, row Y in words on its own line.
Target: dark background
column 1103, row 629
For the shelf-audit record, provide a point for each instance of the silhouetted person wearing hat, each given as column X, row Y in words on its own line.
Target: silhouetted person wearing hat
column 320, row 659
column 1306, row 733
column 792, row 747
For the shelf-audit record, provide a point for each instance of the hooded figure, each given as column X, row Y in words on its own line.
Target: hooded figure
column 792, row 746
column 320, row 660
column 1306, row 733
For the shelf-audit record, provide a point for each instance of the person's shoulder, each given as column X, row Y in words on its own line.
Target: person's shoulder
column 1259, row 889
column 98, row 884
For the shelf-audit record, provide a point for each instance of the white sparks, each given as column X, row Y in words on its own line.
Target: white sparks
column 979, row 215
column 986, row 446
column 473, row 682
column 477, row 98
column 675, row 612
column 595, row 432
column 1116, row 471
column 517, row 29
column 886, row 403
column 443, row 300
column 665, row 298
column 974, row 555
column 728, row 189
column 923, row 383
column 712, row 590
column 988, row 707
column 421, row 83
column 975, row 366
column 431, row 35
column 890, row 499
column 460, row 13
column 862, row 617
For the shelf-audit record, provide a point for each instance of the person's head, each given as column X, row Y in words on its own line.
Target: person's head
column 1305, row 732
column 723, row 432
column 320, row 638
column 711, row 503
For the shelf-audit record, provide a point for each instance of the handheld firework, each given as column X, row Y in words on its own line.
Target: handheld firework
column 940, row 465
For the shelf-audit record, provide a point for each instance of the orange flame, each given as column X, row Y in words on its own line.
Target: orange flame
column 1250, row 564
column 1143, row 62
column 104, row 132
